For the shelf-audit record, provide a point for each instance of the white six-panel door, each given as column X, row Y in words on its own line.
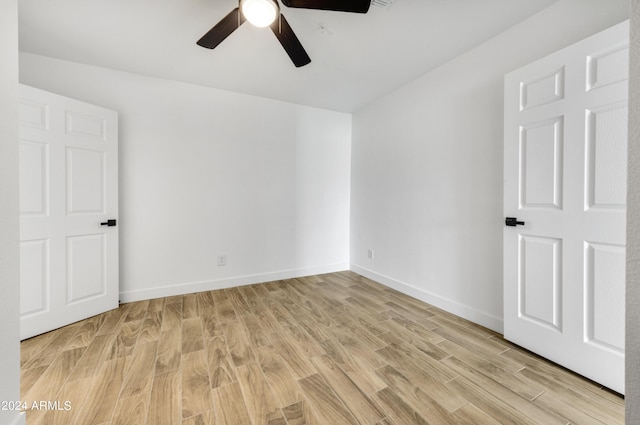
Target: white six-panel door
column 565, row 158
column 68, row 187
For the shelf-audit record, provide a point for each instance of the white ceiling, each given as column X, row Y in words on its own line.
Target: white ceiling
column 355, row 57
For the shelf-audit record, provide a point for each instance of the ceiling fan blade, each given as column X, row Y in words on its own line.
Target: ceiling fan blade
column 357, row 6
column 290, row 42
column 222, row 29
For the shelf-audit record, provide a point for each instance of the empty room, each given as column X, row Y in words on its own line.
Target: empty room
column 379, row 212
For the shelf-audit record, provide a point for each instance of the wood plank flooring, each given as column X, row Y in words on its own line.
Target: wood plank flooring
column 322, row 350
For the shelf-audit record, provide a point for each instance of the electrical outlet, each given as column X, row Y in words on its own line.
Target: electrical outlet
column 222, row 260
column 370, row 254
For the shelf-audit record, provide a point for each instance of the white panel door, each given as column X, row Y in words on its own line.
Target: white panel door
column 68, row 187
column 565, row 157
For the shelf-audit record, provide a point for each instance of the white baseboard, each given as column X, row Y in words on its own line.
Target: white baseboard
column 19, row 418
column 209, row 285
column 454, row 307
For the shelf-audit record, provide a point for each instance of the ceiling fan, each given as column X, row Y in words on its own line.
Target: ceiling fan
column 263, row 13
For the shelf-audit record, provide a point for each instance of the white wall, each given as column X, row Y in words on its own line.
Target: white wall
column 632, row 386
column 427, row 167
column 205, row 172
column 9, row 257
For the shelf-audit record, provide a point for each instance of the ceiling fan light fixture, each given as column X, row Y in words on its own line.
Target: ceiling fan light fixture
column 260, row 13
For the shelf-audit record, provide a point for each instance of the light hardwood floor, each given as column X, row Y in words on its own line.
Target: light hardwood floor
column 324, row 350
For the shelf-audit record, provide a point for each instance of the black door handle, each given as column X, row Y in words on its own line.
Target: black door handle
column 512, row 221
column 110, row 223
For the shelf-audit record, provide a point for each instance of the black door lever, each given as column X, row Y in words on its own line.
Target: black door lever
column 512, row 221
column 110, row 223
